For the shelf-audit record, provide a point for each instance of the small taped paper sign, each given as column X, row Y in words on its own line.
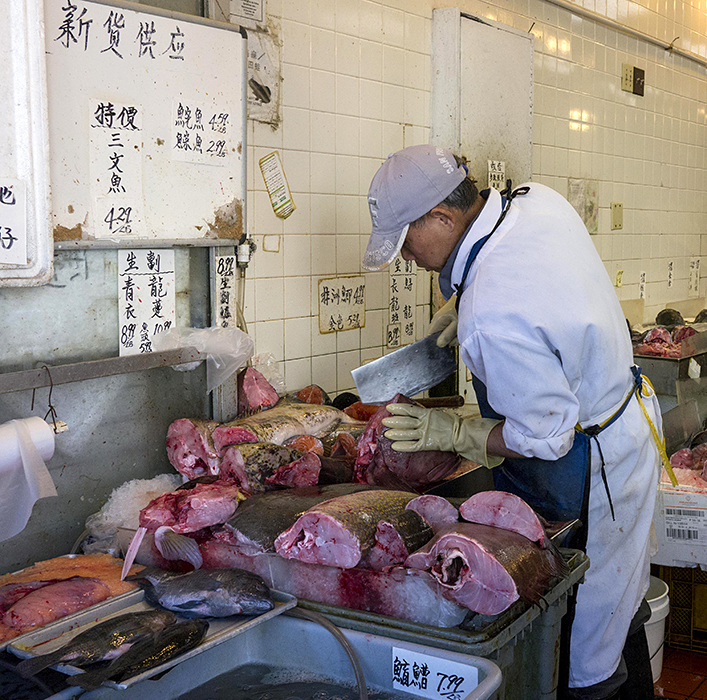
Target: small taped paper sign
column 276, row 185
column 431, row 676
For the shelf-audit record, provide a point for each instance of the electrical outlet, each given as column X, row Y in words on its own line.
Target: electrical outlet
column 617, row 215
column 619, row 278
column 627, row 77
column 639, row 81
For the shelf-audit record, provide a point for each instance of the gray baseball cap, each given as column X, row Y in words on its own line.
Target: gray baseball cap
column 410, row 183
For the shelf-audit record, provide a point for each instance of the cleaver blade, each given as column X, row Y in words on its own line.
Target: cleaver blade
column 407, row 371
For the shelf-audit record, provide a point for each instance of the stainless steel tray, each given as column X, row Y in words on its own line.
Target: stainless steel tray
column 56, row 634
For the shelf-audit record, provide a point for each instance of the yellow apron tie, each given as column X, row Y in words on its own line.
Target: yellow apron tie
column 658, row 439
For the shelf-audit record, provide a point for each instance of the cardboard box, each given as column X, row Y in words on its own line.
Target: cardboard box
column 681, row 526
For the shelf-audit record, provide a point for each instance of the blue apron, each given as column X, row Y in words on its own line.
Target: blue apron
column 559, row 489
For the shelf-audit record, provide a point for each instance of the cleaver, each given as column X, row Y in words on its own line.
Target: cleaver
column 407, row 371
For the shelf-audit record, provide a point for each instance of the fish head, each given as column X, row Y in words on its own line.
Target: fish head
column 254, row 604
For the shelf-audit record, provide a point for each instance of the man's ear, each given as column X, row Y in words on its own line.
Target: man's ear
column 443, row 217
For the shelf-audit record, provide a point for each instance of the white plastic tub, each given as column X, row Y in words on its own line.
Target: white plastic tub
column 657, row 598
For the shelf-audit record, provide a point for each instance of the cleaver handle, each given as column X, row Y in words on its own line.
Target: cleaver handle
column 456, row 401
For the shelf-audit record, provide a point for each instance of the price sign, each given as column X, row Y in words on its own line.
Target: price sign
column 13, row 222
column 342, row 304
column 431, row 676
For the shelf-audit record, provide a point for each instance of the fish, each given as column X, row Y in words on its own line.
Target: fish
column 190, row 449
column 102, row 642
column 507, row 511
column 55, row 601
column 172, row 514
column 313, row 394
column 378, row 464
column 396, row 538
column 487, row 569
column 287, row 419
column 261, row 518
column 10, row 593
column 250, row 464
column 435, row 510
column 340, row 531
column 306, row 443
column 162, row 647
column 255, row 393
column 206, row 593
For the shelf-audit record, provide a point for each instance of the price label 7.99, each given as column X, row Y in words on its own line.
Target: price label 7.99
column 431, row 676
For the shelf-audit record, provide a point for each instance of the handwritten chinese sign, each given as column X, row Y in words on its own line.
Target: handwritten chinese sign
column 401, row 305
column 115, row 145
column 497, row 174
column 201, row 133
column 111, row 31
column 146, row 297
column 226, row 291
column 342, row 304
column 13, row 222
column 693, row 282
column 431, row 676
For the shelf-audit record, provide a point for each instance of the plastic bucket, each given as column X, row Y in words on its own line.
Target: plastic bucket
column 657, row 598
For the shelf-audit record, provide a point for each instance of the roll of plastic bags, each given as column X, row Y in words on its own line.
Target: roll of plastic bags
column 25, row 444
column 226, row 350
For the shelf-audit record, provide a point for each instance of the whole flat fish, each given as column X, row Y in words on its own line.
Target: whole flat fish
column 340, row 531
column 102, row 642
column 172, row 641
column 206, row 592
column 261, row 518
column 487, row 569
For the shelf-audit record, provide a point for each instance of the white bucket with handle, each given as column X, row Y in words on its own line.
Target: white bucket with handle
column 657, row 598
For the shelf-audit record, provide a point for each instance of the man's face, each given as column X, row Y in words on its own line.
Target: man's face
column 428, row 244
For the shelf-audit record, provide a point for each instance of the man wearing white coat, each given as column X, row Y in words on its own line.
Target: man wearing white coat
column 566, row 415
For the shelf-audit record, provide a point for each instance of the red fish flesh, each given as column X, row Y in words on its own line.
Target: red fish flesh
column 10, row 593
column 306, row 443
column 54, row 601
column 302, row 472
column 487, row 569
column 313, row 394
column 254, row 391
column 434, row 510
column 396, row 538
column 339, row 532
column 377, row 463
column 190, row 449
column 504, row 510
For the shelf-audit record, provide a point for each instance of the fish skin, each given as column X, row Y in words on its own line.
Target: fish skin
column 206, row 593
column 255, row 462
column 165, row 645
column 261, row 518
column 396, row 538
column 106, row 640
column 288, row 419
column 340, row 531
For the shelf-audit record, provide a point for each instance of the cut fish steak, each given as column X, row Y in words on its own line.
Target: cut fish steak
column 486, row 568
column 435, row 510
column 339, row 532
column 255, row 393
column 396, row 538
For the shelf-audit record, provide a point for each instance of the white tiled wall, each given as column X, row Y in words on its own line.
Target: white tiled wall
column 356, row 82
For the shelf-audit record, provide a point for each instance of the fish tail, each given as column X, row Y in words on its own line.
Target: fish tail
column 132, row 551
column 174, row 546
column 30, row 667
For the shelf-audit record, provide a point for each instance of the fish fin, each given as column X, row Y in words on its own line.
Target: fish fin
column 174, row 546
column 132, row 551
column 32, row 666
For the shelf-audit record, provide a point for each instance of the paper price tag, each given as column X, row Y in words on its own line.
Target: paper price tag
column 431, row 676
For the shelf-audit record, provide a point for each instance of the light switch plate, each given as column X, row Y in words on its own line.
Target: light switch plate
column 617, row 215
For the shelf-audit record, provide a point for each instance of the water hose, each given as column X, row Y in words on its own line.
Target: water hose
column 329, row 626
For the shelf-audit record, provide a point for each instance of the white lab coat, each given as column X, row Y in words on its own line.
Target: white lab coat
column 541, row 326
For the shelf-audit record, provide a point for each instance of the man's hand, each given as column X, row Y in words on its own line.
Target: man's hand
column 418, row 429
column 445, row 323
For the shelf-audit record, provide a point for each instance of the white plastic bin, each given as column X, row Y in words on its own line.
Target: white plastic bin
column 657, row 598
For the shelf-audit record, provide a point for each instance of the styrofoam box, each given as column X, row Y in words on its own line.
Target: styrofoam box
column 681, row 526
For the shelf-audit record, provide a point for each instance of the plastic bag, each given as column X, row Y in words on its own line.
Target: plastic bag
column 269, row 367
column 226, row 350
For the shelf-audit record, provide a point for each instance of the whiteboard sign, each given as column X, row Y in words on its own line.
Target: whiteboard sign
column 342, row 304
column 226, row 291
column 401, row 304
column 431, row 676
column 13, row 222
column 142, row 106
column 146, row 297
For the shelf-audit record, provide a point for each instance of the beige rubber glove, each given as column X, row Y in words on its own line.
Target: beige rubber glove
column 445, row 320
column 417, row 429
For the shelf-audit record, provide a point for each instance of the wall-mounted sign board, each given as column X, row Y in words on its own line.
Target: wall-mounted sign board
column 146, row 124
column 26, row 250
